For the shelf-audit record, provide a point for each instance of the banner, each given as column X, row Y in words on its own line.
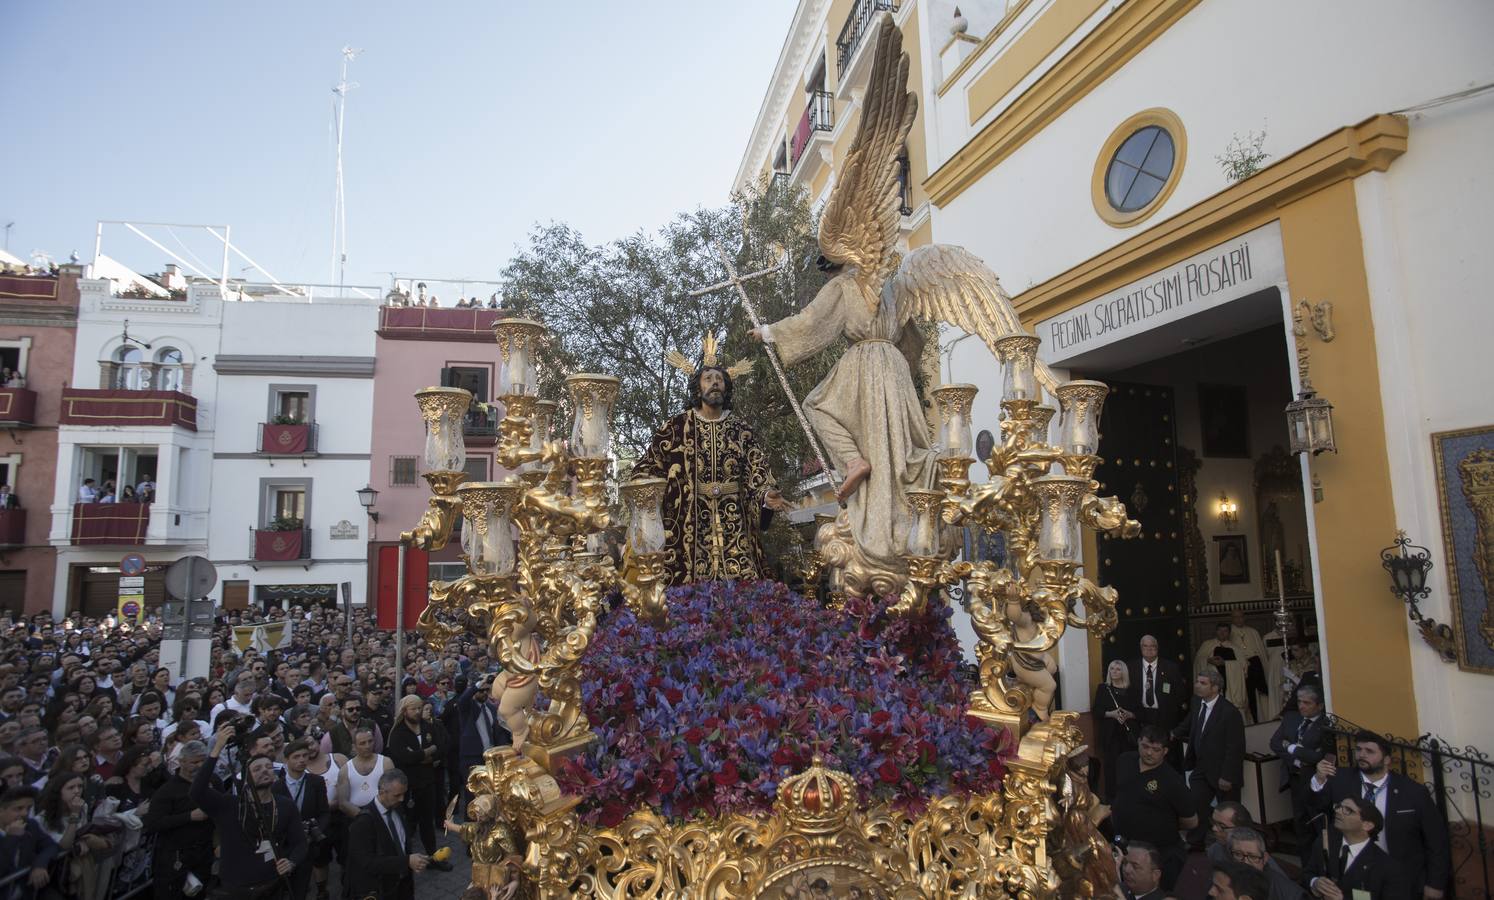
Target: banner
column 417, row 585
column 266, row 637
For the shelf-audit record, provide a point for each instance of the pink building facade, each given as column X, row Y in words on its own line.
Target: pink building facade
column 38, row 332
column 415, row 348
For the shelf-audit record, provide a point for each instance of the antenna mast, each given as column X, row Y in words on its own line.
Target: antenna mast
column 339, row 203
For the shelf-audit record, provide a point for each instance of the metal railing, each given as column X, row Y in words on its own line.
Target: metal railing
column 904, row 185
column 481, row 423
column 1460, row 781
column 858, row 23
column 819, row 115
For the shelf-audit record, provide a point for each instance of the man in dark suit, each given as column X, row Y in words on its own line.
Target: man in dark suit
column 1299, row 740
column 308, row 791
column 380, row 863
column 1353, row 865
column 1237, row 881
column 1414, row 833
column 1141, row 871
column 1215, row 760
column 23, row 844
column 1161, row 691
column 480, row 728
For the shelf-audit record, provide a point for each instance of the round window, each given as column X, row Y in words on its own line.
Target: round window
column 1139, row 169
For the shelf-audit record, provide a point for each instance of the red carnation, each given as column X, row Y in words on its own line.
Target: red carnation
column 728, row 775
column 889, row 772
column 783, row 756
column 881, row 717
column 612, row 813
column 694, row 736
column 673, row 695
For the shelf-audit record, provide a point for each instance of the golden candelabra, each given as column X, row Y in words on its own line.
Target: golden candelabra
column 536, row 577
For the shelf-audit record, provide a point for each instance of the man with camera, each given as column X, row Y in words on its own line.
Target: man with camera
column 260, row 837
column 184, row 849
column 308, row 791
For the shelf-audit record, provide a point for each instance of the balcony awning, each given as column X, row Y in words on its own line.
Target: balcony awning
column 110, row 523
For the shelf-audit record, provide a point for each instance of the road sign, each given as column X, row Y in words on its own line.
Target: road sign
column 191, row 578
column 132, row 564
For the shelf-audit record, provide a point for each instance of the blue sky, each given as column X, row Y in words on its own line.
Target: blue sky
column 472, row 121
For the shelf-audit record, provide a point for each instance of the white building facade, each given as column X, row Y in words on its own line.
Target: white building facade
column 1081, row 150
column 288, row 461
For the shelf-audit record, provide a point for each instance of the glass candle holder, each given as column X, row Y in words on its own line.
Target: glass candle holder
column 924, row 530
column 1079, row 432
column 1042, row 416
column 443, row 409
column 487, row 538
column 543, row 421
column 643, row 496
column 954, row 402
column 592, row 397
column 1058, row 498
column 518, row 346
column 1018, row 355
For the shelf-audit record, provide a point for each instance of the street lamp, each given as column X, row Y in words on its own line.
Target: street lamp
column 367, row 496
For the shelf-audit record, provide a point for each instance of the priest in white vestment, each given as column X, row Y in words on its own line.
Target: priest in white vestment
column 1257, row 687
column 1224, row 655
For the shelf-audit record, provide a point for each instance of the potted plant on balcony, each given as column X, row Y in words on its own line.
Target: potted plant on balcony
column 281, row 540
column 285, row 434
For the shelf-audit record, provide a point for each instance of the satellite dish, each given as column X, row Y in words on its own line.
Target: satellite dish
column 191, row 578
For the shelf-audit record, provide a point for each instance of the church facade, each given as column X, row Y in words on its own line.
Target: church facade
column 1190, row 200
column 1199, row 202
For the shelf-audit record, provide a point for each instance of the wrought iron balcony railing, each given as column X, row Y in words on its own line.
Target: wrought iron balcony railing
column 819, row 115
column 863, row 13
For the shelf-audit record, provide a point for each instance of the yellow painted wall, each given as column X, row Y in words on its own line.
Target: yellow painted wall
column 1041, row 38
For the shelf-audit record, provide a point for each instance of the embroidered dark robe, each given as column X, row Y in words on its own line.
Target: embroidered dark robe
column 713, row 505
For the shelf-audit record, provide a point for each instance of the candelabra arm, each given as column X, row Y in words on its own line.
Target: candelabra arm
column 440, row 517
column 1099, row 617
column 1107, row 514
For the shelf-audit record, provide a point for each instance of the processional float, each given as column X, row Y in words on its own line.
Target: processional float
column 536, row 601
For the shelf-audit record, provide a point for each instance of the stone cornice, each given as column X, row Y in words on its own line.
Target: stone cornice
column 300, row 366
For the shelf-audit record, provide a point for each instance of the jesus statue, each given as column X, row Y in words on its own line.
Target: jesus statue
column 719, row 494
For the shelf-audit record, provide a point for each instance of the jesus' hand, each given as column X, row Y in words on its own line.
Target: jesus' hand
column 774, row 500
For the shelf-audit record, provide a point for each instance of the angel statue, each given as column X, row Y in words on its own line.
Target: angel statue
column 866, row 411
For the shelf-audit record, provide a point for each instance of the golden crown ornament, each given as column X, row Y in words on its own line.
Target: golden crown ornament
column 708, row 359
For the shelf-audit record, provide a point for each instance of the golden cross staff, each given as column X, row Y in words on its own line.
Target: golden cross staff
column 735, row 280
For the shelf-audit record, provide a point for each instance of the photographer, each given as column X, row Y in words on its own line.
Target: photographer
column 261, row 839
column 183, row 848
column 308, row 792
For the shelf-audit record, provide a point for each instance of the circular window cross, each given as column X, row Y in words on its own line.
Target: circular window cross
column 1138, row 167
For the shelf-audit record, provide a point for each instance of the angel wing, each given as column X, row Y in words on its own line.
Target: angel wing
column 860, row 223
column 950, row 284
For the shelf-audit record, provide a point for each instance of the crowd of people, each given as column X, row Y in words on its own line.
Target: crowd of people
column 400, row 296
column 1172, row 762
column 253, row 780
column 90, row 491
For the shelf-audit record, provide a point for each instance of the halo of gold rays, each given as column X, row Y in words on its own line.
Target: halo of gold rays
column 708, row 357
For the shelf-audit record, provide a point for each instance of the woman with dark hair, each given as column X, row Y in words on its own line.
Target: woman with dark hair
column 185, row 733
column 140, row 732
column 101, row 710
column 136, row 774
column 62, row 812
column 86, row 687
column 215, row 695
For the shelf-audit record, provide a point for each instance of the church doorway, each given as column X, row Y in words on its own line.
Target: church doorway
column 1194, row 440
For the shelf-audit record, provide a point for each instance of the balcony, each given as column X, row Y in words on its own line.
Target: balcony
column 128, row 408
column 287, row 439
column 12, row 527
column 481, row 426
column 814, row 129
column 275, row 545
column 17, row 407
column 118, row 524
column 28, row 287
column 435, row 323
column 853, row 34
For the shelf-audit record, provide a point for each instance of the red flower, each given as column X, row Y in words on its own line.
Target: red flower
column 612, row 813
column 673, row 695
column 927, row 752
column 728, row 775
column 889, row 772
column 881, row 717
column 694, row 736
column 783, row 756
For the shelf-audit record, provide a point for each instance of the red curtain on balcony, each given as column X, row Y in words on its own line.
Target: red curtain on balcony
column 285, row 438
column 110, row 523
column 278, row 546
column 82, row 406
column 29, row 287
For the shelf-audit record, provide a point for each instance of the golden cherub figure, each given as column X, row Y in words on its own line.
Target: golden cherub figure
column 492, row 843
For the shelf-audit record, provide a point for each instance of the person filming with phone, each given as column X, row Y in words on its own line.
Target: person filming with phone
column 261, row 839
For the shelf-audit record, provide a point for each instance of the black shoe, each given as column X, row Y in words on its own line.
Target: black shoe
column 440, row 865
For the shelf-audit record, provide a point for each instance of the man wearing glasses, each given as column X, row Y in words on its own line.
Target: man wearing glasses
column 1353, row 867
column 350, row 715
column 1247, row 846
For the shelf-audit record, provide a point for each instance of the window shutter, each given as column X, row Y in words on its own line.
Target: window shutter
column 446, row 377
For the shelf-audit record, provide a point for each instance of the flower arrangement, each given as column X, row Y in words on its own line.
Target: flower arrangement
column 747, row 681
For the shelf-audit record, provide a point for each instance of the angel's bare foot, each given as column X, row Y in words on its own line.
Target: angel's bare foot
column 857, row 471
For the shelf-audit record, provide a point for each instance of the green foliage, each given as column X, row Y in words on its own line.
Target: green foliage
column 285, row 523
column 1243, row 156
column 619, row 307
column 282, row 419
